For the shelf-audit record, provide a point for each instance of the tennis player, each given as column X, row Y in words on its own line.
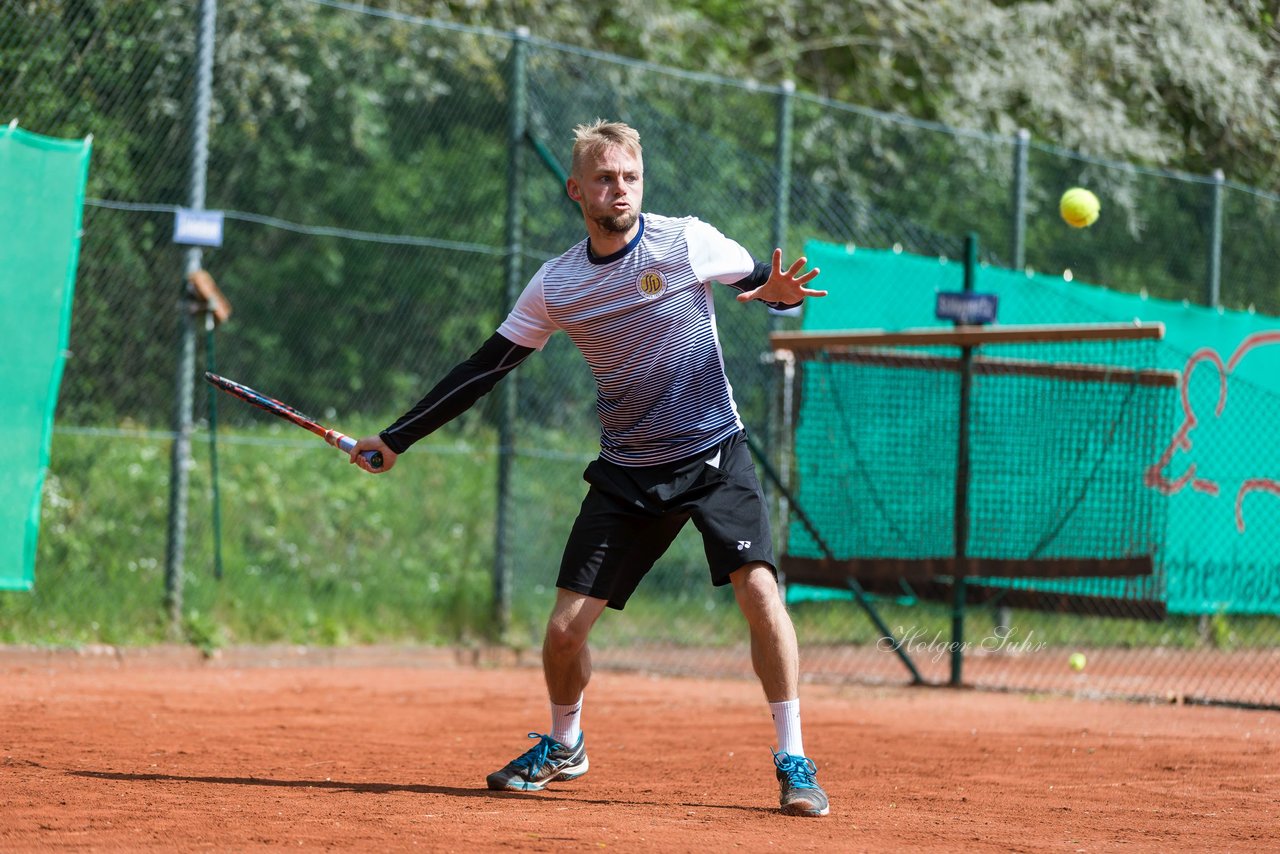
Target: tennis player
column 635, row 298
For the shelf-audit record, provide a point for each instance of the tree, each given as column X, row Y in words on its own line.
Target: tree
column 1181, row 84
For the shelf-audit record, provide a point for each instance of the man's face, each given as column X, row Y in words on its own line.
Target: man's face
column 609, row 186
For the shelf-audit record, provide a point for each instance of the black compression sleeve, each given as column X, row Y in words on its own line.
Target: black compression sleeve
column 755, row 279
column 455, row 394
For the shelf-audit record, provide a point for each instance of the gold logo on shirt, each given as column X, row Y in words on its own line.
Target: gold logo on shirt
column 651, row 284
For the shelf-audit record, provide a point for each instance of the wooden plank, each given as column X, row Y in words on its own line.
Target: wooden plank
column 821, row 572
column 206, row 289
column 963, row 336
column 990, row 366
column 1037, row 600
column 976, row 593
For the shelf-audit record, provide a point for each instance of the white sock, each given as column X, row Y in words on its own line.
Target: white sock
column 566, row 722
column 786, row 720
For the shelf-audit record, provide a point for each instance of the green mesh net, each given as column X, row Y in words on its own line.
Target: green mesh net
column 41, row 208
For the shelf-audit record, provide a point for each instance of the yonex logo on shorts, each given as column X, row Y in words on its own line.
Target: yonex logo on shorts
column 651, row 284
column 744, row 544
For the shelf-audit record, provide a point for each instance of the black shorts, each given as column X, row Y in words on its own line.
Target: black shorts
column 632, row 514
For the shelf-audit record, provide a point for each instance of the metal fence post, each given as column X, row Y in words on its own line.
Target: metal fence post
column 961, row 531
column 180, row 458
column 1213, row 278
column 1018, row 260
column 516, row 107
column 1019, row 235
column 782, row 157
column 772, row 429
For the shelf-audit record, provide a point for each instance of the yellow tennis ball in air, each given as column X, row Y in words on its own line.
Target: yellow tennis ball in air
column 1076, row 661
column 1079, row 207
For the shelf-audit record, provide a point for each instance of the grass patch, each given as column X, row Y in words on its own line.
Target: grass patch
column 316, row 552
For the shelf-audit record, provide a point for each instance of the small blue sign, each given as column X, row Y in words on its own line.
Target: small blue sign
column 198, row 228
column 966, row 307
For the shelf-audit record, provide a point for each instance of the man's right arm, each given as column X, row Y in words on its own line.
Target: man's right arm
column 457, row 392
column 469, row 381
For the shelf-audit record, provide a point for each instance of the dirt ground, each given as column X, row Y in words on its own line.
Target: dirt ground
column 382, row 750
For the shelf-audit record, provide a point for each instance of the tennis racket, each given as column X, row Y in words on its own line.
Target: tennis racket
column 288, row 413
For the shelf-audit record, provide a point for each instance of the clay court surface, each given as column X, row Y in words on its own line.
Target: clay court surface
column 388, row 749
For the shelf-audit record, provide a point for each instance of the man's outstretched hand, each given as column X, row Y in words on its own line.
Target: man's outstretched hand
column 785, row 286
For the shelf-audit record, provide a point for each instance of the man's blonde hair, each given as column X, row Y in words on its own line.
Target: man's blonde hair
column 592, row 138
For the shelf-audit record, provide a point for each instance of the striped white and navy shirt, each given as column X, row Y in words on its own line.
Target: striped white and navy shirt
column 645, row 321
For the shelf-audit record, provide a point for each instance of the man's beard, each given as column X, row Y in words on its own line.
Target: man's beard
column 619, row 223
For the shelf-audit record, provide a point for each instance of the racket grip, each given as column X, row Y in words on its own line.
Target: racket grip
column 346, row 443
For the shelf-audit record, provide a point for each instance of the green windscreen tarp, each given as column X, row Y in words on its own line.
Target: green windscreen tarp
column 1215, row 474
column 42, row 184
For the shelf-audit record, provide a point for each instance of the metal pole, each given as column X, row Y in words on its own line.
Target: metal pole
column 179, row 463
column 518, row 98
column 1020, row 149
column 782, row 157
column 786, row 429
column 772, row 432
column 1213, row 281
column 962, row 481
column 211, row 365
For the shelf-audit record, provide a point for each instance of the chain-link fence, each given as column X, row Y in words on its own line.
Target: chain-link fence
column 388, row 183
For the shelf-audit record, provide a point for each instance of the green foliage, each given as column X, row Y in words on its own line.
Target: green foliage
column 313, row 550
column 202, row 633
column 317, row 553
column 99, row 563
column 1220, row 634
column 337, row 121
column 363, row 160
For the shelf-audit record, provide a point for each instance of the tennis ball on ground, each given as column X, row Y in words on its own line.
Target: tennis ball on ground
column 1076, row 661
column 1079, row 207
